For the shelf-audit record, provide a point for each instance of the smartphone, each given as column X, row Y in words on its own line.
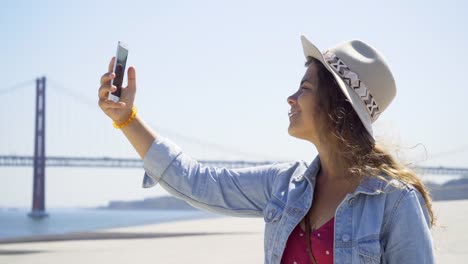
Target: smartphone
column 119, row 70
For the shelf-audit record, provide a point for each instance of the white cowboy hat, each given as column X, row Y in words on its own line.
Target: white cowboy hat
column 362, row 74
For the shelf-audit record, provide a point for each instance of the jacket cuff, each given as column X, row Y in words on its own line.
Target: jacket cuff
column 158, row 158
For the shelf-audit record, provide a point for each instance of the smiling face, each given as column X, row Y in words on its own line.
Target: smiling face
column 303, row 114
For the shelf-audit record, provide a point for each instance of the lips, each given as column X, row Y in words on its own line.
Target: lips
column 292, row 113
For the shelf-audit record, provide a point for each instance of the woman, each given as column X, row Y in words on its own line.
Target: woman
column 353, row 204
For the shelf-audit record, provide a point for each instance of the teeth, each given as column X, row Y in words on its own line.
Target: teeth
column 291, row 113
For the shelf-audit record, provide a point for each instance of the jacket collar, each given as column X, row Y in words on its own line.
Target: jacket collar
column 369, row 185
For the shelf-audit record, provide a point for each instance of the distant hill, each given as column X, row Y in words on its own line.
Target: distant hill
column 161, row 203
column 451, row 190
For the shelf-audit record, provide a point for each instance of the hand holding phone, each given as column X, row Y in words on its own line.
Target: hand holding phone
column 119, row 70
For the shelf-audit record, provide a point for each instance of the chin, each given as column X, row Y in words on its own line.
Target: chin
column 293, row 133
column 298, row 134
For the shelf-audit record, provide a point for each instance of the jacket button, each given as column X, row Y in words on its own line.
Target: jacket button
column 299, row 178
column 345, row 238
column 351, row 201
column 270, row 214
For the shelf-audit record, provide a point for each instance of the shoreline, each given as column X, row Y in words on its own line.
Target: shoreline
column 94, row 236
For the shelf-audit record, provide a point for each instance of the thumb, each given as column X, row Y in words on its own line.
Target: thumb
column 131, row 78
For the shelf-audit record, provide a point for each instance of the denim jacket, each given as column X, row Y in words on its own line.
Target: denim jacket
column 379, row 223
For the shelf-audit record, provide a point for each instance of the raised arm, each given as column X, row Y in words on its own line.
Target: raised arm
column 241, row 192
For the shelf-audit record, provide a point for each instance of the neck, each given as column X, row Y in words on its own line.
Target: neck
column 333, row 173
column 330, row 168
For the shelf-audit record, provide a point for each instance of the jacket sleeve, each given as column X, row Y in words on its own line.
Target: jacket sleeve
column 235, row 192
column 409, row 237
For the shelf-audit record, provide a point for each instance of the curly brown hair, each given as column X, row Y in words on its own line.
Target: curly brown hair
column 355, row 151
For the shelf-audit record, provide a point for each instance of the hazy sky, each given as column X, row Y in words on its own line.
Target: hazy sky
column 214, row 77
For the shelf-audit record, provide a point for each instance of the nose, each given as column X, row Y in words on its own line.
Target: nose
column 292, row 99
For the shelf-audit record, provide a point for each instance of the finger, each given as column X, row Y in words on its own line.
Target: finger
column 107, row 77
column 131, row 77
column 105, row 89
column 108, row 104
column 112, row 104
column 111, row 65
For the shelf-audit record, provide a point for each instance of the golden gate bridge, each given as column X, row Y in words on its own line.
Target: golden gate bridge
column 39, row 160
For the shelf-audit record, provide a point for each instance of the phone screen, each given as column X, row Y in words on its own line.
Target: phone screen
column 119, row 68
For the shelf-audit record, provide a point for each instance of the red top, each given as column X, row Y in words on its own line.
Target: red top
column 321, row 241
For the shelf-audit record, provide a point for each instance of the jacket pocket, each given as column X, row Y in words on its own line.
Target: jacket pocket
column 272, row 212
column 369, row 251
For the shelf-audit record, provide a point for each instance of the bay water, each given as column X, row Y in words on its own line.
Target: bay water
column 15, row 222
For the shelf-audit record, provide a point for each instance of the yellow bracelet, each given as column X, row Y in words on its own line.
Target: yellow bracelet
column 129, row 120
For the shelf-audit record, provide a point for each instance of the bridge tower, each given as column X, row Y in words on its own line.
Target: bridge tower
column 38, row 201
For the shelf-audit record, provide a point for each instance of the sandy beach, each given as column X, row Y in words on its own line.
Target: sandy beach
column 200, row 241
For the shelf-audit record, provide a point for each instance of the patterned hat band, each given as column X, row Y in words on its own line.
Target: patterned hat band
column 352, row 80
